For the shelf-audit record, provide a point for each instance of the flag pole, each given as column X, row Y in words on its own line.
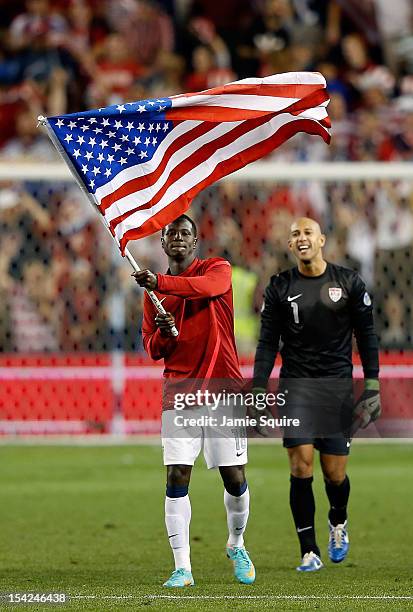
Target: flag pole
column 90, row 196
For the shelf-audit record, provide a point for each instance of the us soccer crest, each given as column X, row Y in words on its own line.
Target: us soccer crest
column 335, row 293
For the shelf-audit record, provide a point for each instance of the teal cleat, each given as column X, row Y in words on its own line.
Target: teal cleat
column 244, row 570
column 180, row 578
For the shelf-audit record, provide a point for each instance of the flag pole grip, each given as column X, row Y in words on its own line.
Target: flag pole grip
column 155, row 301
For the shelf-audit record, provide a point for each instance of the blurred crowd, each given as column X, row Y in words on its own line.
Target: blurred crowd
column 62, row 283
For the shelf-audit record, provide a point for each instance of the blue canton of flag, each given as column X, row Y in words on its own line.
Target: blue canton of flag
column 101, row 143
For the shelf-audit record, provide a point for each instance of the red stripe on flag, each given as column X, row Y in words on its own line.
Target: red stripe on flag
column 310, row 102
column 214, row 114
column 181, row 204
column 195, row 160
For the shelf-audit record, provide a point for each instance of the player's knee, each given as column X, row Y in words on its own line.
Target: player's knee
column 335, row 477
column 178, row 476
column 301, row 468
column 234, row 481
column 302, row 471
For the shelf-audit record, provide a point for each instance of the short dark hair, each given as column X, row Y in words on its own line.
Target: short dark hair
column 183, row 218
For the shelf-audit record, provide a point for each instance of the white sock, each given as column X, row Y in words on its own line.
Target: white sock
column 238, row 509
column 177, row 519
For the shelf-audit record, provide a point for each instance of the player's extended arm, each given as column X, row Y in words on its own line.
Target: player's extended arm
column 158, row 343
column 363, row 326
column 216, row 281
column 368, row 406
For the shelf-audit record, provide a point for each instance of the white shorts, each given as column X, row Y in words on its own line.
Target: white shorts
column 184, row 438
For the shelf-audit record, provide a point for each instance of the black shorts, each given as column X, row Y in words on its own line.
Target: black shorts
column 322, row 409
column 339, row 445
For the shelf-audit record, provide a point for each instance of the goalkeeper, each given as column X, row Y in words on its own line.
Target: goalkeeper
column 313, row 311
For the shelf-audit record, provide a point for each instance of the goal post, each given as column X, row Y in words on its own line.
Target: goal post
column 263, row 170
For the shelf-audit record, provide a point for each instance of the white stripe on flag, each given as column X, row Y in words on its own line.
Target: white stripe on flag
column 318, row 113
column 228, row 101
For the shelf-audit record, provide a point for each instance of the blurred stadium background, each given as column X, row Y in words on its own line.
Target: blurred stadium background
column 71, row 357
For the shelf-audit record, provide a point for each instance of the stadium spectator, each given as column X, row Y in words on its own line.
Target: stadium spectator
column 39, row 21
column 115, row 73
column 29, row 222
column 264, row 44
column 206, row 71
column 29, row 143
column 394, row 240
column 123, row 311
column 395, row 23
column 146, row 28
column 10, row 243
column 244, row 284
column 343, row 128
column 35, row 311
column 83, row 326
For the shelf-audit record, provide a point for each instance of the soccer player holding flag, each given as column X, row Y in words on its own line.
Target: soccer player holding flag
column 198, row 296
column 312, row 311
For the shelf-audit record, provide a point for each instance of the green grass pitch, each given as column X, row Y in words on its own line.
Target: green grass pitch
column 88, row 521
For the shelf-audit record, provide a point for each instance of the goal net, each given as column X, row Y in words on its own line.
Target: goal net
column 71, row 357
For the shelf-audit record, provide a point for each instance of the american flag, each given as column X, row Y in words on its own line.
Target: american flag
column 143, row 162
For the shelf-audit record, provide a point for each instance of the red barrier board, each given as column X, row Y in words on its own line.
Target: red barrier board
column 82, row 393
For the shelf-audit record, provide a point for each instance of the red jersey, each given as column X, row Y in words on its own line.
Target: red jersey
column 200, row 299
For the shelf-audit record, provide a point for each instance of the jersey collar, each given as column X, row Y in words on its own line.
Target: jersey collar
column 188, row 271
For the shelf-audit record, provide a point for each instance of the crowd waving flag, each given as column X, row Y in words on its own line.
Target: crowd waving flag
column 143, row 162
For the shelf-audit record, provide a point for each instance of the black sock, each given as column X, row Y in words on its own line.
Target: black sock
column 303, row 509
column 338, row 497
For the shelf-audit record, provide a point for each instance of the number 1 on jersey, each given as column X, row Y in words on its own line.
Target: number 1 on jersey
column 294, row 306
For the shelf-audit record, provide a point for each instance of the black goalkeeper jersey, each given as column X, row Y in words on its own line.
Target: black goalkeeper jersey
column 311, row 321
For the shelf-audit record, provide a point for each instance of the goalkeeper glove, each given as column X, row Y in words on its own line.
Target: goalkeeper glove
column 257, row 413
column 368, row 406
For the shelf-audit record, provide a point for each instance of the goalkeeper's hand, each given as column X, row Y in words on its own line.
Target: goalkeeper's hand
column 368, row 408
column 256, row 413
